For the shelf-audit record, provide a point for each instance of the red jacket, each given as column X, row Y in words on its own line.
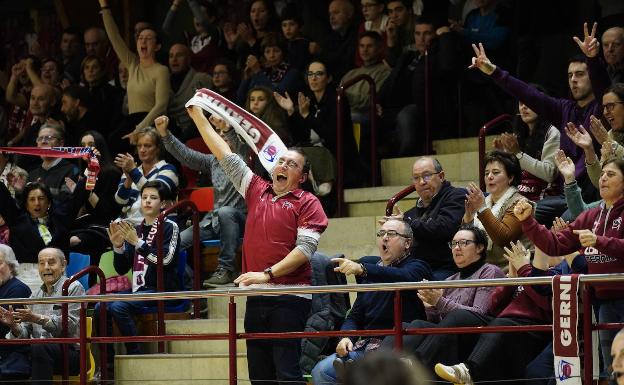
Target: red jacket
column 606, row 256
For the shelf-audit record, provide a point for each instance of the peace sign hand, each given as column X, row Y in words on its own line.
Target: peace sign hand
column 481, row 61
column 590, row 45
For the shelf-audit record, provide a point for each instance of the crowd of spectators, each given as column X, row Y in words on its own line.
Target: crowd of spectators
column 554, row 184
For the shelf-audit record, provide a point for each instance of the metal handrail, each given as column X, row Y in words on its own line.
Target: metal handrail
column 397, row 330
column 482, row 133
column 372, row 100
column 64, row 326
column 397, row 197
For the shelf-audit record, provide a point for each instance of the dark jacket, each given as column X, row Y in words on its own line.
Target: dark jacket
column 375, row 309
column 171, row 242
column 54, row 178
column 25, row 238
column 434, row 226
column 339, row 50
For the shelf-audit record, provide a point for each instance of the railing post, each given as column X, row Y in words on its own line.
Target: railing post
column 232, row 340
column 83, row 343
column 339, row 156
column 160, row 284
column 196, row 253
column 587, row 336
column 398, row 321
column 372, row 97
column 427, row 104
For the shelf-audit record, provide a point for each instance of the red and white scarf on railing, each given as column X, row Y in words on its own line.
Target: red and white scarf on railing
column 565, row 331
column 93, row 164
column 257, row 134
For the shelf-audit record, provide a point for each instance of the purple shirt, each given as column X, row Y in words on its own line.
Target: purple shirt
column 559, row 111
column 476, row 299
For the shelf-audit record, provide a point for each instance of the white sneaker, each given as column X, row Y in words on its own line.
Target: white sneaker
column 457, row 374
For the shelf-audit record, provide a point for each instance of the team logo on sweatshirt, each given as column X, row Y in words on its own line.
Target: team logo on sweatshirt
column 616, row 223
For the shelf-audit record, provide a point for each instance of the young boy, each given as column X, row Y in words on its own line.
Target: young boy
column 300, row 48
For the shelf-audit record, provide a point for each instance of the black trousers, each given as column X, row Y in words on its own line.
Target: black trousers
column 275, row 361
column 47, row 360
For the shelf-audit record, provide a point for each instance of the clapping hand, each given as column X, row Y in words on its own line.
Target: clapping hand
column 597, row 128
column 566, row 166
column 304, row 104
column 285, row 102
column 509, row 143
column 579, row 135
column 430, row 297
column 558, row 225
column 125, row 162
column 590, row 45
column 587, row 238
column 607, row 151
column 517, row 255
column 481, row 61
column 129, row 233
column 115, row 235
column 474, row 201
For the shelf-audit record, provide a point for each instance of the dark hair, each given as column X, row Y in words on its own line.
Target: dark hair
column 424, row 20
column 619, row 163
column 480, row 237
column 273, row 39
column 90, row 58
column 106, row 160
column 532, row 143
column 151, row 27
column 617, row 89
column 273, row 20
column 164, row 193
column 290, row 12
column 231, row 68
column 509, row 162
column 31, row 186
column 373, row 35
column 58, row 64
column 386, row 367
column 75, row 32
column 306, row 163
column 60, row 131
column 577, row 58
column 80, row 93
column 273, row 114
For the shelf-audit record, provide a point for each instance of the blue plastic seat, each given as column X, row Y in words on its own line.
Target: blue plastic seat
column 76, row 263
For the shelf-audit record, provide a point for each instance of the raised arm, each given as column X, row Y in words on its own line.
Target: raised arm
column 12, row 93
column 217, row 145
column 125, row 55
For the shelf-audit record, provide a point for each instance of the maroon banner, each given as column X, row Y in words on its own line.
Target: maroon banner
column 567, row 363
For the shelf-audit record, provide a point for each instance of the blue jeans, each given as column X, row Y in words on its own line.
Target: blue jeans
column 610, row 311
column 323, row 372
column 229, row 231
column 541, row 370
column 122, row 312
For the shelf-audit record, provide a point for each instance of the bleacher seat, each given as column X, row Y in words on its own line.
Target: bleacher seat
column 76, row 263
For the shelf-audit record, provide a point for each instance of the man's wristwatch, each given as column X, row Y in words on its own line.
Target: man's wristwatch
column 269, row 271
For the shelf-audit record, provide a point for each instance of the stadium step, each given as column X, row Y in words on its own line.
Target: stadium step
column 457, row 167
column 451, row 146
column 219, row 325
column 177, row 369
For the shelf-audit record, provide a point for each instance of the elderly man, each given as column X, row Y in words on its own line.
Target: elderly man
column 613, row 52
column 435, row 218
column 283, row 227
column 374, row 310
column 184, row 81
column 342, row 41
column 44, row 320
column 96, row 43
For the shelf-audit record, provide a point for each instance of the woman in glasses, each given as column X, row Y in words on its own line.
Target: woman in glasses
column 469, row 247
column 494, row 213
column 611, row 140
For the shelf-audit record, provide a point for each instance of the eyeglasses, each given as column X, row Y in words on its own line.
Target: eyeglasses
column 610, row 106
column 390, row 234
column 426, row 177
column 46, row 139
column 461, row 243
column 316, row 74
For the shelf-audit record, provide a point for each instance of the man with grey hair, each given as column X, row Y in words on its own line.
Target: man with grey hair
column 44, row 320
column 374, row 310
column 435, row 218
column 613, row 53
column 339, row 49
column 53, row 171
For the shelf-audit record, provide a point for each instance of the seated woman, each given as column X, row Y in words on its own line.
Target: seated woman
column 494, row 214
column 135, row 248
column 534, row 142
column 44, row 320
column 511, row 305
column 469, row 251
column 149, row 149
column 34, row 224
column 88, row 234
column 277, row 74
column 599, row 233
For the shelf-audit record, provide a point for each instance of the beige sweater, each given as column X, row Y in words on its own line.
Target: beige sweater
column 148, row 86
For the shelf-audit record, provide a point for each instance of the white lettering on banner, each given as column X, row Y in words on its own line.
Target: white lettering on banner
column 240, row 120
column 564, row 310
